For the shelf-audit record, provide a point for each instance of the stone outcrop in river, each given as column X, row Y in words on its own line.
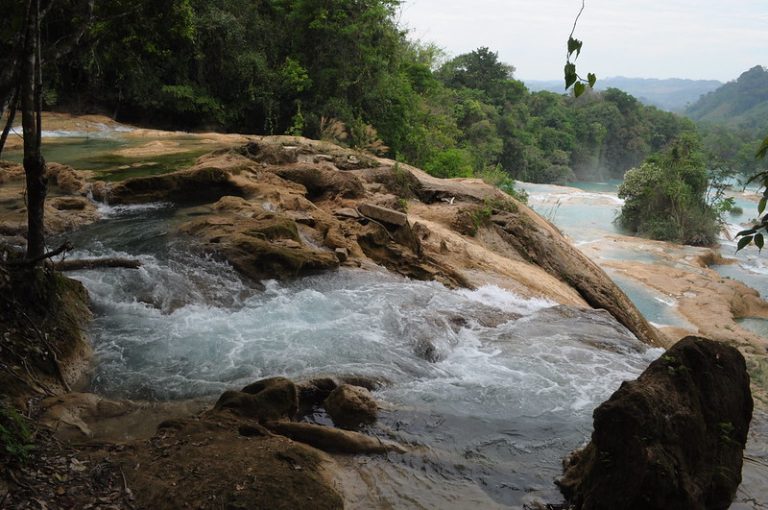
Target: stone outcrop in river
column 673, row 438
column 283, row 207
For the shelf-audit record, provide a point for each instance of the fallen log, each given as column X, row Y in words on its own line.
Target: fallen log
column 105, row 263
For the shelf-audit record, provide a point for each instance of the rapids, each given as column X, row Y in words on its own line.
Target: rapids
column 492, row 389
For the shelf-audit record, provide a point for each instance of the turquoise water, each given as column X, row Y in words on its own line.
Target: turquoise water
column 489, row 413
column 757, row 326
column 654, row 306
column 96, row 153
column 610, row 186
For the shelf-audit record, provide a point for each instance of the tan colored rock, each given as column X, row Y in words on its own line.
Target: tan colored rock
column 333, row 440
column 383, row 214
column 322, row 181
column 351, row 406
column 193, row 186
column 68, row 413
column 268, row 399
column 66, row 178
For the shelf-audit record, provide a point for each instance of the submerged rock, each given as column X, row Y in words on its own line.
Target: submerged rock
column 351, row 406
column 672, row 439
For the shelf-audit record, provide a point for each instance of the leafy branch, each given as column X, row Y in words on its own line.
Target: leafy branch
column 754, row 234
column 572, row 78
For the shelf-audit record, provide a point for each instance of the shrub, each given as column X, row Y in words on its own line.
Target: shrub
column 15, row 436
column 450, row 163
column 665, row 198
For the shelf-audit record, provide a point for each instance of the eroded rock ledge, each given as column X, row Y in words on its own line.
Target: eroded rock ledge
column 282, row 207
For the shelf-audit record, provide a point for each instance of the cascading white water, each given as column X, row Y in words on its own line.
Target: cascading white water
column 487, row 383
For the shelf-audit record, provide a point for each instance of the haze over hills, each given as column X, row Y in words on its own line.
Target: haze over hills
column 672, row 94
column 740, row 104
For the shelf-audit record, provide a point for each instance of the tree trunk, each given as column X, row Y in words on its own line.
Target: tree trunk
column 34, row 164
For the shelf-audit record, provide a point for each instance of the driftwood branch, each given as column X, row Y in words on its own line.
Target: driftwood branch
column 113, row 262
column 66, row 246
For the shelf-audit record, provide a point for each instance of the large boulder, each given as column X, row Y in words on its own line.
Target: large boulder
column 351, row 406
column 672, row 439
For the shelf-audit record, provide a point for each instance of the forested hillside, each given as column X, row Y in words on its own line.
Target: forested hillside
column 733, row 120
column 343, row 71
column 672, row 94
column 741, row 104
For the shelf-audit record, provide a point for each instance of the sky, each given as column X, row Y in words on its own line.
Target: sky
column 697, row 39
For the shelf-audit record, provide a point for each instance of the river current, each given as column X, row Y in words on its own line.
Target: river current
column 488, row 390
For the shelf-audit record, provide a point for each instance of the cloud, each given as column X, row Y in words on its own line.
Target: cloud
column 654, row 38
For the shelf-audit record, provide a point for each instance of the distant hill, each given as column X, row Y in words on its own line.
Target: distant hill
column 742, row 103
column 672, row 94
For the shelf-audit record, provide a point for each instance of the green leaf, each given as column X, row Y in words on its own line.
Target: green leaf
column 592, row 79
column 759, row 241
column 578, row 89
column 574, row 45
column 743, row 242
column 570, row 75
column 759, row 175
column 746, row 232
column 761, row 205
column 761, row 152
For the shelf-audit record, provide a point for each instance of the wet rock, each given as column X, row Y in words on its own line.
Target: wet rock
column 69, row 203
column 258, row 243
column 673, row 438
column 333, row 440
column 383, row 214
column 370, row 383
column 265, row 400
column 315, row 391
column 351, row 406
column 539, row 243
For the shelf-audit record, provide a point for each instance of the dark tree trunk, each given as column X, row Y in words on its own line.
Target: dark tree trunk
column 31, row 107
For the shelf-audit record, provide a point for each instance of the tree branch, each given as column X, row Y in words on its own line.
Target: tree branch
column 112, row 262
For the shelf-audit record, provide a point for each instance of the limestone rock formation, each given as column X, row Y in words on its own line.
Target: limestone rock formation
column 283, row 207
column 673, row 438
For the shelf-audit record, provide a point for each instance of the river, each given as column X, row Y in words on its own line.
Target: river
column 489, row 390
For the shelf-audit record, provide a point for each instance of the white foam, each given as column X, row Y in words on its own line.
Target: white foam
column 112, row 211
column 492, row 295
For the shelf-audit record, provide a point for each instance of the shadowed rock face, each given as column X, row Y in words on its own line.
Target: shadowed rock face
column 672, row 439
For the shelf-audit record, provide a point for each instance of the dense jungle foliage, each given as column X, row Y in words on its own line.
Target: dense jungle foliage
column 732, row 121
column 339, row 70
column 670, row 197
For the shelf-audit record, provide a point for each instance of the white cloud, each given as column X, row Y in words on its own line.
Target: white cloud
column 653, row 38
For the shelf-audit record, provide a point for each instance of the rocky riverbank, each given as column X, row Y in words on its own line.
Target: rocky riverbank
column 285, row 207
